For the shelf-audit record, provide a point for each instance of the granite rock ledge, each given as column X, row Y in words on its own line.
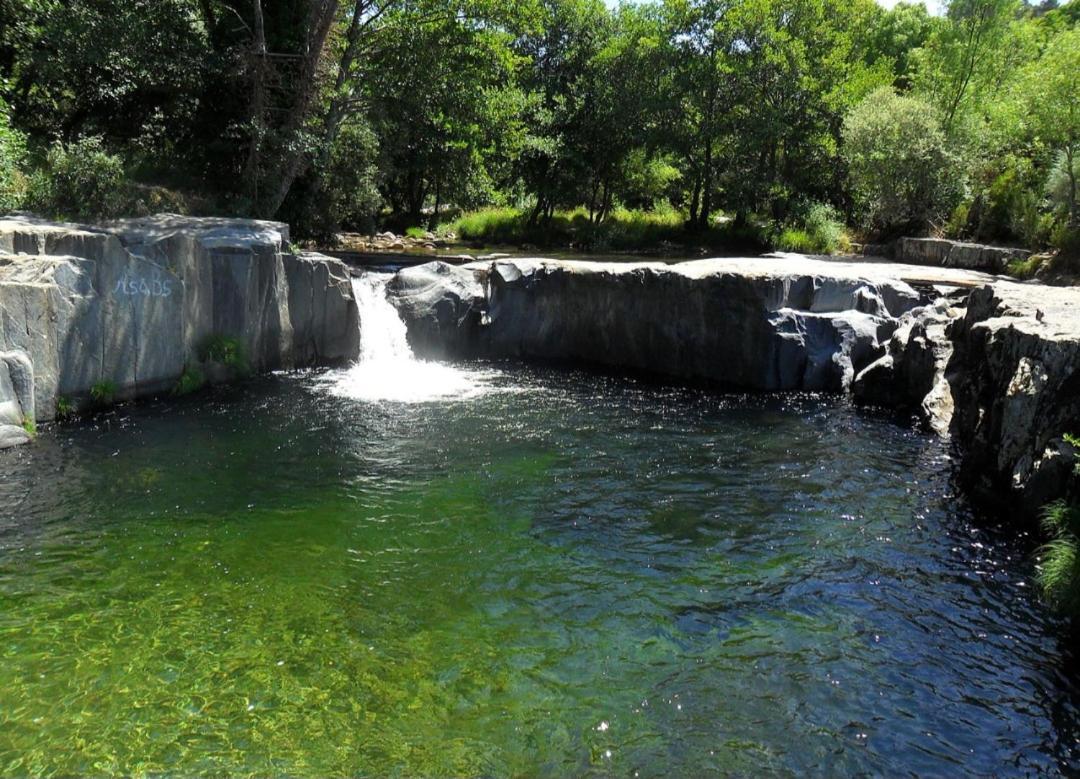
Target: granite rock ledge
column 129, row 303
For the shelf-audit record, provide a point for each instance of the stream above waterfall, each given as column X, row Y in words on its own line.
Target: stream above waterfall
column 497, row 569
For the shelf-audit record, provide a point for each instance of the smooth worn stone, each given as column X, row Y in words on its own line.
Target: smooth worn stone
column 131, row 302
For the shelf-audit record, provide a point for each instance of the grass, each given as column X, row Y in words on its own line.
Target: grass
column 103, row 393
column 30, row 426
column 622, row 230
column 417, row 233
column 1059, row 567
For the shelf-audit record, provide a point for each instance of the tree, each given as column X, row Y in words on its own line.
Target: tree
column 12, row 158
column 901, row 171
column 958, row 56
column 1052, row 89
column 897, row 33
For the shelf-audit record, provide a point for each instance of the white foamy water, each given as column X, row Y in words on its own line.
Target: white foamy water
column 387, row 368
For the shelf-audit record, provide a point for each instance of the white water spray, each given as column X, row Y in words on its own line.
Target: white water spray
column 387, row 368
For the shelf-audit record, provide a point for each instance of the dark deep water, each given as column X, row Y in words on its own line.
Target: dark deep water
column 563, row 574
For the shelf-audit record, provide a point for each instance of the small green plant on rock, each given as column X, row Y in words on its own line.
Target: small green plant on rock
column 103, row 393
column 30, row 426
column 1059, row 567
column 65, row 407
column 191, row 380
column 225, row 350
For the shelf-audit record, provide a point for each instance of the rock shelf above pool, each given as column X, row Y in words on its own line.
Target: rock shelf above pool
column 127, row 305
column 993, row 363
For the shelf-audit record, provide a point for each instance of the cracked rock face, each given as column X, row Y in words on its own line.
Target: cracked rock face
column 993, row 364
column 130, row 303
column 1016, row 378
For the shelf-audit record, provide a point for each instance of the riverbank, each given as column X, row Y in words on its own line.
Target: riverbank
column 990, row 362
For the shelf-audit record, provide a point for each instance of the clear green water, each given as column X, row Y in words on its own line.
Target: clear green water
column 577, row 575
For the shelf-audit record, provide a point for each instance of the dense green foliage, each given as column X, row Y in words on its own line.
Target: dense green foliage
column 788, row 118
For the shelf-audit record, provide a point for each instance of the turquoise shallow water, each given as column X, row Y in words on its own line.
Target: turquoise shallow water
column 568, row 574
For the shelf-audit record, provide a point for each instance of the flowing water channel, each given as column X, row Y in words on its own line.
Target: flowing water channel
column 414, row 569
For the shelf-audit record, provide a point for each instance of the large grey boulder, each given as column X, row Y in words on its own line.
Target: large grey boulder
column 1000, row 373
column 766, row 323
column 130, row 303
column 443, row 306
column 322, row 310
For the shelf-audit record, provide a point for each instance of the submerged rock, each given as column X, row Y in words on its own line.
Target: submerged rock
column 128, row 304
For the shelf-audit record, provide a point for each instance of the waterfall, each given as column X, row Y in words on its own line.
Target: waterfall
column 383, row 336
column 387, row 369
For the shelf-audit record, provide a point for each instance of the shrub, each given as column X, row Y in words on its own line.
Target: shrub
column 1067, row 240
column 79, row 180
column 191, row 380
column 12, row 158
column 1059, row 570
column 902, row 172
column 103, row 393
column 416, row 233
column 1026, row 269
column 815, row 229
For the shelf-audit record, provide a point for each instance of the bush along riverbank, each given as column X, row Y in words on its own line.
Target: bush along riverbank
column 815, row 228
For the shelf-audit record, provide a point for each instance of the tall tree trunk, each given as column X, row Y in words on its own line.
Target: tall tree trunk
column 706, row 185
column 253, row 166
column 1070, row 171
column 337, row 112
column 538, row 209
column 321, row 18
column 695, row 199
column 434, row 222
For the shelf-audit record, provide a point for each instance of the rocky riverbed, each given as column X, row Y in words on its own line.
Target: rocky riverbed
column 992, row 363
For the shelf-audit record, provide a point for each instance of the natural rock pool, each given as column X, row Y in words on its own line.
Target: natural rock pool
column 561, row 574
